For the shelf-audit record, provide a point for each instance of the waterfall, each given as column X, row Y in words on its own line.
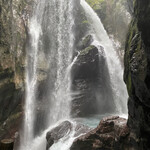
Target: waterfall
column 114, row 65
column 60, row 97
column 49, row 62
column 31, row 78
column 51, row 45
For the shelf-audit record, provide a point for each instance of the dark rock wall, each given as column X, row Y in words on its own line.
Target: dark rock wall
column 84, row 74
column 14, row 17
column 91, row 81
column 137, row 75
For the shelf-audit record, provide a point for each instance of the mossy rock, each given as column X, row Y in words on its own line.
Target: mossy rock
column 87, row 50
column 135, row 58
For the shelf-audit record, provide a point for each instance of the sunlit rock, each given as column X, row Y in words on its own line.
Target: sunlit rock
column 108, row 135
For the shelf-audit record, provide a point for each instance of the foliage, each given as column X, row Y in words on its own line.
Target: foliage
column 95, row 3
column 115, row 17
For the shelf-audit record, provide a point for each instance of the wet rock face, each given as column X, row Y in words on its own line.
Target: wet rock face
column 137, row 75
column 13, row 36
column 90, row 81
column 87, row 63
column 107, row 136
column 84, row 74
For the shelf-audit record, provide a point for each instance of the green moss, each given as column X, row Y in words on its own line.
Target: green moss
column 85, row 22
column 86, row 50
column 132, row 32
column 135, row 57
column 128, row 54
column 141, row 59
column 129, row 84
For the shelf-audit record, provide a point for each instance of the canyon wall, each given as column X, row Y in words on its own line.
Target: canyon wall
column 14, row 17
column 137, row 74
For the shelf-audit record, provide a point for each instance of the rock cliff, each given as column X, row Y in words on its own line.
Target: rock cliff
column 91, row 81
column 137, row 75
column 14, row 17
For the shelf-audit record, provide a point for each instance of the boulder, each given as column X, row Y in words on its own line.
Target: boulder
column 84, row 72
column 107, row 136
column 63, row 130
column 86, row 65
column 91, row 83
column 58, row 132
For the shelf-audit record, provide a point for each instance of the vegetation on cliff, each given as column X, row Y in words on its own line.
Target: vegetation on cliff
column 115, row 17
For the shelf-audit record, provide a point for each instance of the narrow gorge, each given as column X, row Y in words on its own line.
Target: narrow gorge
column 74, row 75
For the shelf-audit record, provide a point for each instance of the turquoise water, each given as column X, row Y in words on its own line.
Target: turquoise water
column 92, row 121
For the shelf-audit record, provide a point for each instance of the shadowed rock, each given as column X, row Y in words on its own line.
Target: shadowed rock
column 137, row 75
column 86, row 65
column 91, row 83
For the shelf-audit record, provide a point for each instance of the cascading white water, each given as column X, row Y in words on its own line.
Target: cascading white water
column 52, row 37
column 114, row 65
column 60, row 101
column 31, row 78
column 52, row 22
